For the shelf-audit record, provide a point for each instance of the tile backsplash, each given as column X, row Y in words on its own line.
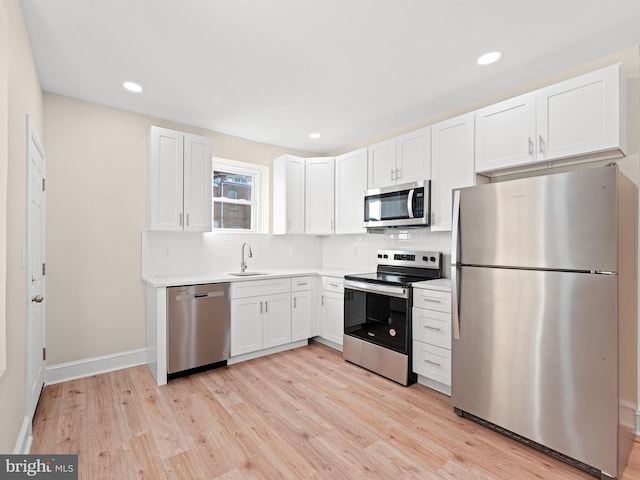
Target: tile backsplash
column 183, row 253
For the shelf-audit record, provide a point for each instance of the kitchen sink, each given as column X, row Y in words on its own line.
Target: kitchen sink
column 247, row 274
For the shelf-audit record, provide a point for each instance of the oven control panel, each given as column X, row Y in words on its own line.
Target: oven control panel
column 407, row 258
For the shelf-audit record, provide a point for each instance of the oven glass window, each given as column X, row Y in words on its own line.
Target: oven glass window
column 378, row 319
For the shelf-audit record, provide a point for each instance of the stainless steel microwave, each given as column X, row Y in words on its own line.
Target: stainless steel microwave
column 407, row 205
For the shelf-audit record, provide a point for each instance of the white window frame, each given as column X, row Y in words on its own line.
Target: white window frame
column 256, row 174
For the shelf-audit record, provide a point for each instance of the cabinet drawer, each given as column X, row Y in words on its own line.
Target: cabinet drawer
column 333, row 284
column 432, row 362
column 432, row 327
column 256, row 288
column 432, row 299
column 299, row 284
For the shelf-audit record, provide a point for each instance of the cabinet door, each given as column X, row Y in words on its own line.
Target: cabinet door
column 382, row 164
column 300, row 315
column 581, row 115
column 246, row 325
column 319, row 196
column 452, row 159
column 295, row 192
column 413, row 160
column 288, row 192
column 332, row 313
column 276, row 320
column 197, row 184
column 351, row 183
column 506, row 134
column 165, row 182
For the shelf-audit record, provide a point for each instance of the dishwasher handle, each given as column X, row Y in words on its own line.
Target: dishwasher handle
column 198, row 296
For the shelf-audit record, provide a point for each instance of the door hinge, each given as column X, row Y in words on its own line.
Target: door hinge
column 44, row 354
column 43, row 184
column 44, row 269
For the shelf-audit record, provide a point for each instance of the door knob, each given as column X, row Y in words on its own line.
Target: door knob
column 37, row 299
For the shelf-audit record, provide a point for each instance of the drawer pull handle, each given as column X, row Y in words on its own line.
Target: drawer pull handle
column 433, row 363
column 433, row 328
column 433, row 300
column 302, row 283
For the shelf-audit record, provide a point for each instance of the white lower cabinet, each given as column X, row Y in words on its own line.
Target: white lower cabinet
column 301, row 310
column 331, row 312
column 432, row 338
column 260, row 315
column 276, row 320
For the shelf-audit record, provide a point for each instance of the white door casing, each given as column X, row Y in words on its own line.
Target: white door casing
column 35, row 332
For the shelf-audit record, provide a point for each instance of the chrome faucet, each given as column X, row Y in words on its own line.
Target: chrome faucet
column 243, row 262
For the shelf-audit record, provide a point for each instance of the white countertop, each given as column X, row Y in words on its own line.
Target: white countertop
column 442, row 284
column 157, row 281
column 217, row 277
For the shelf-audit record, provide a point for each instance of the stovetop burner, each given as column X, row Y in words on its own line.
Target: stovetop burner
column 401, row 267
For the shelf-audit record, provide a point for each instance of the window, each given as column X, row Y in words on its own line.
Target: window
column 236, row 194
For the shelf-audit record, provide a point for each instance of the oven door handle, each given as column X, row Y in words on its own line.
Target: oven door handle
column 390, row 290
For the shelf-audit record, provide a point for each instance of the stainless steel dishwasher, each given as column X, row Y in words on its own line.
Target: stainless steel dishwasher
column 199, row 326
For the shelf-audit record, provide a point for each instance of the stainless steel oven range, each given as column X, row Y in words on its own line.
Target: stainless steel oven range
column 377, row 312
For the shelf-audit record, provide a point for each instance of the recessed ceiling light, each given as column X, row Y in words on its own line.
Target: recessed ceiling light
column 132, row 87
column 489, row 58
column 315, row 135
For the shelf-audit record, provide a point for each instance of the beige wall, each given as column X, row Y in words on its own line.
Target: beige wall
column 96, row 201
column 4, row 154
column 24, row 96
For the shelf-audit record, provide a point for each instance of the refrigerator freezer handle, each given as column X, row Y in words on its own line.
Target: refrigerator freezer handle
column 455, row 226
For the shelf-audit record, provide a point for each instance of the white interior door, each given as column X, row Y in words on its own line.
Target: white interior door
column 36, row 271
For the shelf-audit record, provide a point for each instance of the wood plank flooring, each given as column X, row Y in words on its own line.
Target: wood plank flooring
column 299, row 414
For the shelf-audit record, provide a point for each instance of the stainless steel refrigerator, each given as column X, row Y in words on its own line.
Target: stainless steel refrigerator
column 544, row 313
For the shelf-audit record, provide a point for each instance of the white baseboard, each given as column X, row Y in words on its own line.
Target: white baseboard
column 63, row 372
column 23, row 443
column 267, row 351
column 434, row 385
column 328, row 343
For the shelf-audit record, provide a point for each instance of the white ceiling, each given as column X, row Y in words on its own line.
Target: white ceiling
column 275, row 71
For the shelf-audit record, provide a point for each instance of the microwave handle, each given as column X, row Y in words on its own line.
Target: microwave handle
column 410, row 202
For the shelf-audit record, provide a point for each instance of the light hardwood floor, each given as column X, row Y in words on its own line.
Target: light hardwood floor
column 299, row 414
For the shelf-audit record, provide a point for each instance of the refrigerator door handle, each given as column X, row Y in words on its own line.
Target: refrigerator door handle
column 455, row 316
column 455, row 225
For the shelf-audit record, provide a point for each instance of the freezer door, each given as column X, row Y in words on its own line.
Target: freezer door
column 537, row 356
column 565, row 221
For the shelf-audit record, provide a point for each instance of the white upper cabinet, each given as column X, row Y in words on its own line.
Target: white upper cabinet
column 179, row 181
column 506, row 133
column 288, row 173
column 583, row 115
column 400, row 159
column 582, row 118
column 351, row 182
column 382, row 164
column 413, row 156
column 452, row 156
column 320, row 197
column 197, row 193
